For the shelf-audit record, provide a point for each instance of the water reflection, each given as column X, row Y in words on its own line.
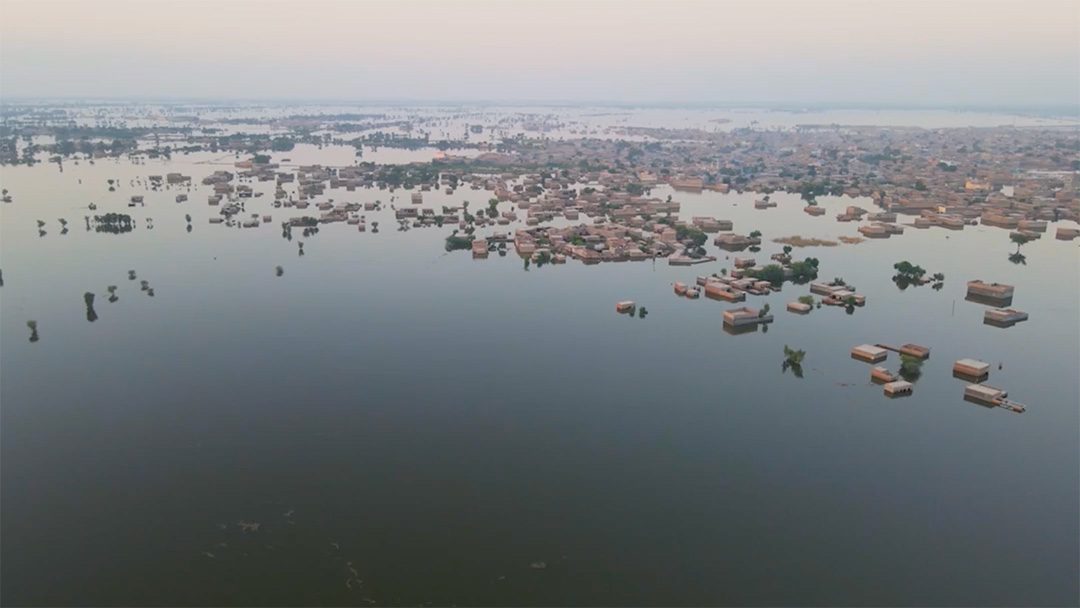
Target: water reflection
column 736, row 330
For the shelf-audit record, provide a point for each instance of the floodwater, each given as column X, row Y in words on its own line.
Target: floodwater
column 388, row 423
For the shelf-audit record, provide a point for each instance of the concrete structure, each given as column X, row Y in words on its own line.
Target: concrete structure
column 1004, row 317
column 972, row 368
column 882, row 375
column 911, row 350
column 721, row 291
column 874, row 231
column 992, row 397
column 869, row 353
column 984, row 394
column 744, row 316
column 898, row 388
column 992, row 293
column 828, row 289
column 1066, row 234
column 708, row 224
column 735, row 242
column 799, row 307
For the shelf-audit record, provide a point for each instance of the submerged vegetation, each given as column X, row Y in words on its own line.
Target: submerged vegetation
column 113, row 223
column 801, row 241
column 793, row 360
column 908, row 274
column 91, row 314
column 455, row 242
column 910, row 368
column 798, row 272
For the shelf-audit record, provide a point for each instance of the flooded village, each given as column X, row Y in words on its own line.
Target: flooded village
column 449, row 303
column 551, row 189
column 333, row 277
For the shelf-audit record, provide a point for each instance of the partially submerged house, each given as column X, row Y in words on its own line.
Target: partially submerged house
column 869, row 353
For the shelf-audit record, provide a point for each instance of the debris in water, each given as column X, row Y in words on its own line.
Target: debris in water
column 538, row 565
column 249, row 526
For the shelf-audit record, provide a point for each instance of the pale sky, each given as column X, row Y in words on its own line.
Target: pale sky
column 932, row 52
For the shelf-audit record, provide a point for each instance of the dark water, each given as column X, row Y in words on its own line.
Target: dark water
column 440, row 425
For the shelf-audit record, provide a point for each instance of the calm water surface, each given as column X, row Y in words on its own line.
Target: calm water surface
column 408, row 426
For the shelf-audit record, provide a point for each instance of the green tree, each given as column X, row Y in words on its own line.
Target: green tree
column 804, row 271
column 793, row 360
column 1020, row 239
column 910, row 368
column 683, row 233
column 773, row 273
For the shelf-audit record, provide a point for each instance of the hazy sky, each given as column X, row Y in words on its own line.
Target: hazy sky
column 978, row 52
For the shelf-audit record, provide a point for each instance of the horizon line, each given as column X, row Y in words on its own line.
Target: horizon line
column 750, row 104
